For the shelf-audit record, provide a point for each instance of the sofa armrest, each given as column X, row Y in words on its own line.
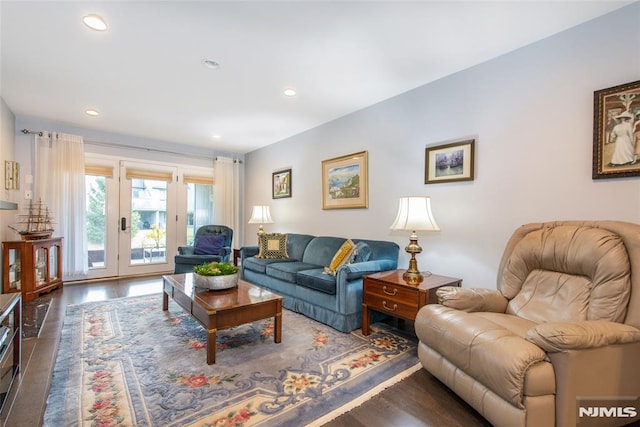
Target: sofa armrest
column 359, row 269
column 559, row 336
column 249, row 251
column 472, row 299
column 185, row 250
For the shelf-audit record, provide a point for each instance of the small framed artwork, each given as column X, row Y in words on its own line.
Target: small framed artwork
column 616, row 131
column 11, row 175
column 450, row 162
column 281, row 184
column 345, row 182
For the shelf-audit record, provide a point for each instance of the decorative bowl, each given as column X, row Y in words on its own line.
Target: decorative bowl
column 216, row 282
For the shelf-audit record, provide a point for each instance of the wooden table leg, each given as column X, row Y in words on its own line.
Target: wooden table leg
column 211, row 347
column 365, row 320
column 277, row 320
column 165, row 301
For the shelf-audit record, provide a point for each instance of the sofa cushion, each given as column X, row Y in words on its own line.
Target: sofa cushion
column 317, row 279
column 361, row 253
column 208, row 244
column 320, row 250
column 273, row 245
column 259, row 265
column 287, row 270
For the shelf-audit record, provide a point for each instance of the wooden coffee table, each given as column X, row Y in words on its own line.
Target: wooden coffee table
column 224, row 308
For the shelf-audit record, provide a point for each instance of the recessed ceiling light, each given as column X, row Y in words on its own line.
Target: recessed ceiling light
column 289, row 92
column 95, row 22
column 91, row 112
column 216, row 136
column 211, row 64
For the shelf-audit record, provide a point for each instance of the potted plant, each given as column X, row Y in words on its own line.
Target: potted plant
column 216, row 275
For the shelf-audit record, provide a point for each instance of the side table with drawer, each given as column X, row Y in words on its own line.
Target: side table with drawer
column 388, row 293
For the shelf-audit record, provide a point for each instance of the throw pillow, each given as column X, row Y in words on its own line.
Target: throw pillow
column 208, row 245
column 361, row 253
column 272, row 245
column 341, row 257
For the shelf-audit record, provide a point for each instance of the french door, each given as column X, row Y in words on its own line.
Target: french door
column 147, row 221
column 138, row 213
column 131, row 217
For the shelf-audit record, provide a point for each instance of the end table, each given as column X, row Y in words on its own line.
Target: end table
column 388, row 293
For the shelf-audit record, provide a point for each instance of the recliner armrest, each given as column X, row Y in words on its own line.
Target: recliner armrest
column 185, row 250
column 472, row 299
column 559, row 336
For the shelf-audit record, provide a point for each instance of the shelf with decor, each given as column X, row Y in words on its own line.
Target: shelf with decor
column 32, row 267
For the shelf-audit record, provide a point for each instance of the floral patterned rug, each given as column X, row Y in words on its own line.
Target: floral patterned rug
column 125, row 362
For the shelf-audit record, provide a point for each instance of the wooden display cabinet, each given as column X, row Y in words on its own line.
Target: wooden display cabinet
column 32, row 266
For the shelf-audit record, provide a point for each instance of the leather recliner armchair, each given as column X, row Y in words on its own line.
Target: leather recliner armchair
column 561, row 331
column 188, row 256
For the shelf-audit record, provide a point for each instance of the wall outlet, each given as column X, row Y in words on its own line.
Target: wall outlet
column 28, row 195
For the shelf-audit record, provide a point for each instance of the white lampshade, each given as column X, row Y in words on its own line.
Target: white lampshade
column 414, row 213
column 260, row 215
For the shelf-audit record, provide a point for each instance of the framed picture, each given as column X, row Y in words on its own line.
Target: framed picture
column 281, row 184
column 449, row 162
column 345, row 182
column 616, row 131
column 11, row 175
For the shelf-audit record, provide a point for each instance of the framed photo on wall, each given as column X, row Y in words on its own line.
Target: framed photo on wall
column 345, row 182
column 281, row 184
column 450, row 162
column 616, row 131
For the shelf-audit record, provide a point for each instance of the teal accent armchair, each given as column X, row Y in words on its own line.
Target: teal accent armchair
column 187, row 257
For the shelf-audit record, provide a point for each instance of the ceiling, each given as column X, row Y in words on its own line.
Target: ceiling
column 146, row 78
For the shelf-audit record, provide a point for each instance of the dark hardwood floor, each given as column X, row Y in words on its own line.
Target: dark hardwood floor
column 419, row 400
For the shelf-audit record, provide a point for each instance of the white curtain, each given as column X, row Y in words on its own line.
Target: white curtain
column 59, row 179
column 226, row 196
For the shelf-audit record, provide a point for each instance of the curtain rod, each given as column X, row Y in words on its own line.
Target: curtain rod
column 129, row 147
column 27, row 132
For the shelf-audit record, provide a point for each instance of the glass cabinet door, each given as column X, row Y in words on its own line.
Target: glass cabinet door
column 15, row 275
column 41, row 259
column 53, row 262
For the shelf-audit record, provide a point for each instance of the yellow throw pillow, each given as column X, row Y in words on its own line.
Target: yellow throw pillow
column 342, row 256
column 272, row 245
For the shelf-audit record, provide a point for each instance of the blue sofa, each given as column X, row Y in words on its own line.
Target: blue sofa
column 332, row 300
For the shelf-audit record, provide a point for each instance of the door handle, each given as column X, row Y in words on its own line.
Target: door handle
column 123, row 223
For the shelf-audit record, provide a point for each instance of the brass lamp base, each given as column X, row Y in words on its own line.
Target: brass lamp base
column 413, row 276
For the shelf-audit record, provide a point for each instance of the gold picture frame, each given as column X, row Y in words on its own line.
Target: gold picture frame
column 451, row 162
column 345, row 182
column 11, row 175
column 616, row 131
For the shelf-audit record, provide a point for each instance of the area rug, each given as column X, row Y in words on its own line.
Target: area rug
column 126, row 362
column 34, row 314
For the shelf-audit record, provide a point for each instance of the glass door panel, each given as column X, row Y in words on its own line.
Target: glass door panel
column 147, row 218
column 102, row 196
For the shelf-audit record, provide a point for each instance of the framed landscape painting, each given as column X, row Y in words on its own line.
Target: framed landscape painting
column 281, row 184
column 616, row 131
column 449, row 162
column 345, row 182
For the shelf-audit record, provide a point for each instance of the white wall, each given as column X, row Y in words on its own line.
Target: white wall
column 6, row 153
column 531, row 114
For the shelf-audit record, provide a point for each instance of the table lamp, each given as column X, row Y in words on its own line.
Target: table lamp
column 414, row 213
column 260, row 215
